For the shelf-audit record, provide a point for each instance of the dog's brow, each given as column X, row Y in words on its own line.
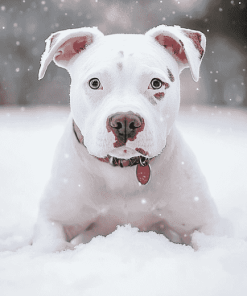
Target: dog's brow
column 156, row 73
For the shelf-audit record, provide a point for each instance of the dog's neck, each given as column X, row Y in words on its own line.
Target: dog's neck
column 143, row 169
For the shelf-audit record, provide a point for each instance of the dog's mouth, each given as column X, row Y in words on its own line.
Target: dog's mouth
column 141, row 160
column 127, row 152
column 122, row 156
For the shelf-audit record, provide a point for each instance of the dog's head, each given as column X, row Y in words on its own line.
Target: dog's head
column 125, row 88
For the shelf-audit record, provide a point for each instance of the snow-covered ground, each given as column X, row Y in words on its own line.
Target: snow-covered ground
column 126, row 262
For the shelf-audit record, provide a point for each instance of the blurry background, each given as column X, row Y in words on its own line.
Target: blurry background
column 25, row 24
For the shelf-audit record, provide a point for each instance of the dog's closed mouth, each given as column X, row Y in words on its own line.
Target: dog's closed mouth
column 127, row 153
column 115, row 161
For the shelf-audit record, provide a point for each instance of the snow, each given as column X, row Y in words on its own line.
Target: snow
column 126, row 262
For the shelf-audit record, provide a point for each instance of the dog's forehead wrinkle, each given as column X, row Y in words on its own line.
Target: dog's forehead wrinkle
column 131, row 53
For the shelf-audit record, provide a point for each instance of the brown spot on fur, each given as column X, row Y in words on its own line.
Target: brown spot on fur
column 170, row 75
column 159, row 95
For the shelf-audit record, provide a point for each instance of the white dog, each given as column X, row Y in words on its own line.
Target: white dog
column 121, row 159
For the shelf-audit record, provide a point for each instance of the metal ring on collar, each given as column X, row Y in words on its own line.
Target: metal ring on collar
column 143, row 161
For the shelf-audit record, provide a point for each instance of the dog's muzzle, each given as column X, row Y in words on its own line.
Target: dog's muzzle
column 143, row 170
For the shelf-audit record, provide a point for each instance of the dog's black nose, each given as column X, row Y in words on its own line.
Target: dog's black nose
column 125, row 126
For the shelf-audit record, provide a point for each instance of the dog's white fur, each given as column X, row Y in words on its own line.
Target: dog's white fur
column 95, row 196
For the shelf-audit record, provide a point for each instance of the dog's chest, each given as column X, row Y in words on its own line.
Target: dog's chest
column 101, row 214
column 126, row 208
column 147, row 213
column 142, row 212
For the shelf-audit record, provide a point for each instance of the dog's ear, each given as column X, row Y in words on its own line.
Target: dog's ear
column 64, row 45
column 186, row 46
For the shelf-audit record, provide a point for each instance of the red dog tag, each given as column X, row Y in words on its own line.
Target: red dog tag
column 143, row 173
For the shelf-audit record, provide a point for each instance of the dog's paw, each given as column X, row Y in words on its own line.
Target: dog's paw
column 64, row 246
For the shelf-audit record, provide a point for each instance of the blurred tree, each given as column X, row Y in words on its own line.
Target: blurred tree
column 225, row 25
column 25, row 24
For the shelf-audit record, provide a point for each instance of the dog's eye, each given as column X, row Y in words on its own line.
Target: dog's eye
column 156, row 83
column 94, row 83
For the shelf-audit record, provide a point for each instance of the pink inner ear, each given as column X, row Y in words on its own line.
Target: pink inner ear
column 72, row 47
column 196, row 38
column 80, row 44
column 173, row 46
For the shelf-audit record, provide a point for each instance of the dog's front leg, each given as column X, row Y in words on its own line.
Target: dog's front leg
column 49, row 236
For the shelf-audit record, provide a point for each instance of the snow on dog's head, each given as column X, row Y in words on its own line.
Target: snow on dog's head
column 125, row 88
